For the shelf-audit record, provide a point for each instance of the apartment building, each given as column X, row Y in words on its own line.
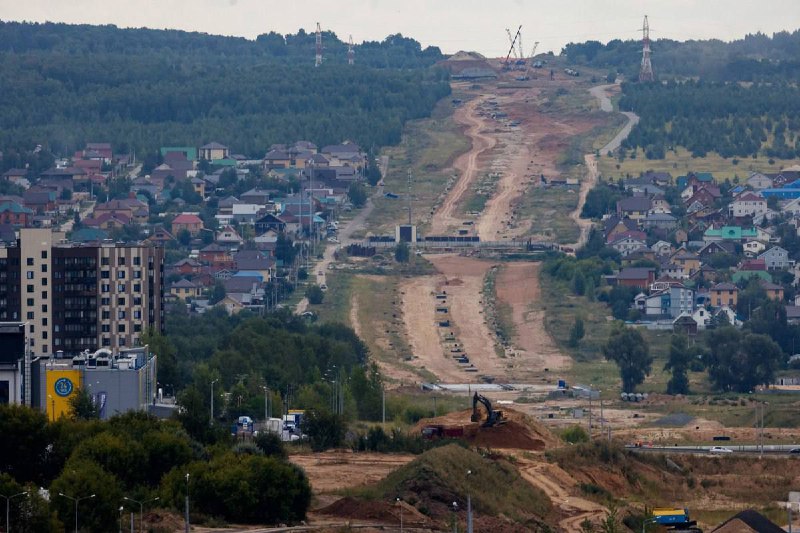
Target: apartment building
column 77, row 297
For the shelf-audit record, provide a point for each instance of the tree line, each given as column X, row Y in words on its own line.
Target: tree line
column 756, row 57
column 67, row 85
column 731, row 119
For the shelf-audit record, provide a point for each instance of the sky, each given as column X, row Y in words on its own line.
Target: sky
column 452, row 25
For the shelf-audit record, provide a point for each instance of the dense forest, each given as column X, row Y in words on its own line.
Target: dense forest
column 139, row 89
column 756, row 57
column 731, row 119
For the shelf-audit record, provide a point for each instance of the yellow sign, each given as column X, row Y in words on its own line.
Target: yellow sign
column 61, row 385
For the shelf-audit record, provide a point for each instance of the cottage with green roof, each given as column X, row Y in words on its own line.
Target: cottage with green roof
column 729, row 233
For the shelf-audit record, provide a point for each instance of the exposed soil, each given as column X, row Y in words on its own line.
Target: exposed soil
column 376, row 511
column 517, row 285
column 335, row 470
column 520, row 432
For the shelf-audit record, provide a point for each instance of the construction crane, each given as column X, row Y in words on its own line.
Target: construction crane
column 511, row 42
column 529, row 63
column 351, row 54
column 521, row 59
column 506, row 64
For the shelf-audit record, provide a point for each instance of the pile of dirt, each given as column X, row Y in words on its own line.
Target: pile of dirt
column 381, row 511
column 519, row 432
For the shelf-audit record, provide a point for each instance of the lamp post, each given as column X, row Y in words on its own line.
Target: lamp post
column 141, row 509
column 455, row 517
column 77, row 501
column 121, row 508
column 400, row 505
column 266, row 404
column 8, row 506
column 469, row 508
column 212, row 400
column 187, row 503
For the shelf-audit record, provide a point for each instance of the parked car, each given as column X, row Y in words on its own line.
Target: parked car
column 323, row 287
column 720, row 449
column 795, row 451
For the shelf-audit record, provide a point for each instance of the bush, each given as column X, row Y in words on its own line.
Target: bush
column 575, row 434
column 315, row 295
column 271, row 444
column 324, row 429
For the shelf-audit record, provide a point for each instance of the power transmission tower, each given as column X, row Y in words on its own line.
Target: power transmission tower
column 646, row 70
column 351, row 54
column 318, row 60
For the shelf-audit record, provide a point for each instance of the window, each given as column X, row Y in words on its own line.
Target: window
column 120, row 301
column 122, row 341
column 137, row 261
column 29, row 261
column 106, row 315
column 29, row 274
column 44, row 348
column 44, row 308
column 120, row 314
column 105, row 328
column 44, row 282
column 137, row 314
column 137, row 274
column 137, row 287
column 105, row 301
column 106, row 341
column 104, row 261
column 120, row 287
column 121, row 261
column 44, row 295
column 105, row 287
column 32, row 328
column 44, row 321
column 105, row 274
column 44, row 254
column 121, row 274
column 44, row 268
column 30, row 316
column 137, row 328
column 44, row 334
column 137, row 300
column 30, row 302
column 121, row 328
column 29, row 288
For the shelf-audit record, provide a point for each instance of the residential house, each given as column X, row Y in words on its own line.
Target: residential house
column 747, row 205
column 724, row 294
column 40, row 201
column 214, row 151
column 662, row 248
column 636, row 277
column 685, row 324
column 751, row 268
column 788, row 191
column 107, row 221
column 705, row 196
column 101, row 151
column 247, row 213
column 615, row 225
column 626, row 245
column 15, row 214
column 256, row 196
column 669, row 302
column 228, row 235
column 17, row 176
column 759, row 181
column 347, row 153
column 189, row 152
column 773, row 290
column 754, row 248
column 270, row 222
column 660, row 204
column 185, row 289
column 254, row 262
column 635, row 207
column 217, row 256
column 131, row 207
column 717, row 247
column 689, row 262
column 189, row 222
column 793, row 315
column 663, row 221
column 231, row 304
column 187, row 267
column 730, row 233
column 199, row 186
column 161, row 235
column 776, row 258
column 702, row 317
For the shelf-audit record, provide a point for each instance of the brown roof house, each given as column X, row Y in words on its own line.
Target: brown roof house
column 188, row 221
column 724, row 294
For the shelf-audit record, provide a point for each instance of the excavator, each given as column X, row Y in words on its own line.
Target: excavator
column 493, row 418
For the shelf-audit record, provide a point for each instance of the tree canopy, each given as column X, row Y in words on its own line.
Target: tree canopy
column 629, row 350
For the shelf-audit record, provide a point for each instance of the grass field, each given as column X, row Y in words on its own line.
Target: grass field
column 427, row 149
column 548, row 210
column 680, row 162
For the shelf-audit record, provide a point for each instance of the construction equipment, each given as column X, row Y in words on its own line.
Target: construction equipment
column 506, row 62
column 493, row 418
column 527, row 75
column 511, row 42
column 676, row 519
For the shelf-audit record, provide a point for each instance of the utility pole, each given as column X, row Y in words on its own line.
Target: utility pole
column 383, row 405
column 187, row 504
column 212, row 400
column 351, row 54
column 646, row 69
column 408, row 196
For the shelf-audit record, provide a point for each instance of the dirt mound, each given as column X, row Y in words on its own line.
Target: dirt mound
column 373, row 510
column 520, row 430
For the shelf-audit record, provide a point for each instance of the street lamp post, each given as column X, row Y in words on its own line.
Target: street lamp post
column 121, row 508
column 187, row 503
column 141, row 509
column 400, row 505
column 455, row 517
column 8, row 506
column 266, row 405
column 77, row 501
column 469, row 508
column 212, row 400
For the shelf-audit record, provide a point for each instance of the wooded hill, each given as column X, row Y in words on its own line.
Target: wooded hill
column 756, row 57
column 65, row 85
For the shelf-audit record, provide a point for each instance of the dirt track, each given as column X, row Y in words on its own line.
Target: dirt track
column 444, row 220
column 336, row 470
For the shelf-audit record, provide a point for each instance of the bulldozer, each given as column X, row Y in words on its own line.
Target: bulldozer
column 493, row 417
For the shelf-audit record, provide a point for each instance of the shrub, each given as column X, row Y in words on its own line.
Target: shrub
column 574, row 435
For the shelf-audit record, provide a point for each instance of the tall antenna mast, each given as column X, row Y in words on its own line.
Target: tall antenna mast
column 318, row 61
column 646, row 70
column 351, row 54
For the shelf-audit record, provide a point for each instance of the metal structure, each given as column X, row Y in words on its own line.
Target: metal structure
column 493, row 417
column 511, row 42
column 646, row 70
column 351, row 54
column 512, row 49
column 318, row 60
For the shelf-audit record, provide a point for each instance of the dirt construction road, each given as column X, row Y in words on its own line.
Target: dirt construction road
column 466, row 164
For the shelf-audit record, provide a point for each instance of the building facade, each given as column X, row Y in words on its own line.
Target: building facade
column 77, row 297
